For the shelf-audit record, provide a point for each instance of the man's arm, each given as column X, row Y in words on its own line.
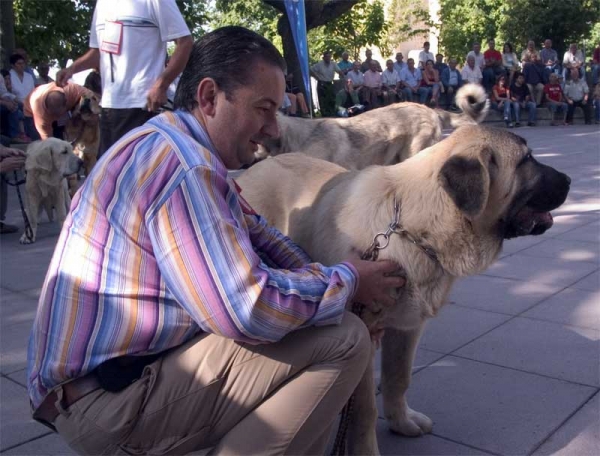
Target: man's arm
column 89, row 60
column 157, row 96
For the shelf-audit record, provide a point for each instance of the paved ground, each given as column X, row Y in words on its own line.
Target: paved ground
column 511, row 365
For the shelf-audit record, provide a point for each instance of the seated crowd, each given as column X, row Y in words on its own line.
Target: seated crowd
column 537, row 78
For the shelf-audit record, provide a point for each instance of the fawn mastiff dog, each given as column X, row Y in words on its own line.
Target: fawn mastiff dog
column 449, row 209
column 383, row 136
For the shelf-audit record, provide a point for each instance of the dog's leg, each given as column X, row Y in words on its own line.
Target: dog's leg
column 362, row 436
column 398, row 352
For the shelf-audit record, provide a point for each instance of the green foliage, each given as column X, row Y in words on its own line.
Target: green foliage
column 363, row 25
column 53, row 31
column 408, row 19
column 196, row 15
column 252, row 14
column 516, row 21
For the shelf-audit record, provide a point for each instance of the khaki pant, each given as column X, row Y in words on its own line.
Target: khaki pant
column 269, row 399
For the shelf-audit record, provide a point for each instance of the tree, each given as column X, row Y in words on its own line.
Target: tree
column 7, row 31
column 516, row 21
column 408, row 18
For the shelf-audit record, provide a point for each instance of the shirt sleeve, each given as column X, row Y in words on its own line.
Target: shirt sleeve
column 169, row 19
column 208, row 261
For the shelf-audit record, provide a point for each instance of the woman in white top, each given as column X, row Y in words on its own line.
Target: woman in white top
column 22, row 82
column 510, row 61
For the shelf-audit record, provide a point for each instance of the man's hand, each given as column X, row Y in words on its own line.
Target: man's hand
column 569, row 101
column 375, row 284
column 11, row 159
column 157, row 97
column 63, row 76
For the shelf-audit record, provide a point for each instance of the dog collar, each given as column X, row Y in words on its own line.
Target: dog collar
column 372, row 253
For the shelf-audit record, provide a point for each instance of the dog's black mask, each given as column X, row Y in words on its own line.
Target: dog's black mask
column 544, row 190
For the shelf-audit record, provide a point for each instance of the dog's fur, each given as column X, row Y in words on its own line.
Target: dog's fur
column 460, row 198
column 47, row 164
column 83, row 131
column 383, row 136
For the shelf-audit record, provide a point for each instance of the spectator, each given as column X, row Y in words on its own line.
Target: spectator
column 492, row 66
column 573, row 59
column 478, row 56
column 431, row 81
column 411, row 82
column 358, row 80
column 501, row 99
column 48, row 104
column 452, row 80
column 509, row 62
column 425, row 55
column 555, row 99
column 535, row 78
column 576, row 94
column 399, row 65
column 233, row 329
column 596, row 65
column 23, row 53
column 366, row 65
column 597, row 103
column 390, row 84
column 471, row 72
column 22, row 82
column 528, row 54
column 296, row 97
column 549, row 57
column 345, row 65
column 134, row 80
column 439, row 63
column 43, row 78
column 11, row 113
column 10, row 160
column 520, row 99
column 372, row 87
column 347, row 103
column 324, row 71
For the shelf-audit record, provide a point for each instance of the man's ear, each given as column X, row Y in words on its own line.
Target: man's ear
column 466, row 179
column 207, row 96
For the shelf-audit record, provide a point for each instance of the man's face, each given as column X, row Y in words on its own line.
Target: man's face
column 548, row 44
column 531, row 45
column 369, row 53
column 471, row 61
column 426, row 47
column 399, row 57
column 573, row 48
column 373, row 66
column 410, row 63
column 491, row 45
column 477, row 48
column 553, row 79
column 521, row 79
column 439, row 58
column 390, row 65
column 452, row 63
column 345, row 56
column 237, row 126
column 356, row 66
column 327, row 57
column 43, row 70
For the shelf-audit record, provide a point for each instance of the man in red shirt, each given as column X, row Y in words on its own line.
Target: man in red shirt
column 492, row 66
column 554, row 97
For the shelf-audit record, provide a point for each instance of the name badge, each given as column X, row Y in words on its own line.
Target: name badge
column 112, row 37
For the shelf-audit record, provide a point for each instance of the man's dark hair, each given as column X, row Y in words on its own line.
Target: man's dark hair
column 426, row 43
column 15, row 58
column 228, row 56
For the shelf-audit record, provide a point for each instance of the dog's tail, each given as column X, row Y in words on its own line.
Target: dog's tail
column 472, row 100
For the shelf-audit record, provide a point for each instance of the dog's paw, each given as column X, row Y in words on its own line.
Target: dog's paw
column 26, row 239
column 412, row 424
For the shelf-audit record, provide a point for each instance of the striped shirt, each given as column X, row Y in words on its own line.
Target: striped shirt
column 159, row 246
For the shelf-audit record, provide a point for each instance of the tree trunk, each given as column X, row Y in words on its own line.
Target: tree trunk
column 7, row 31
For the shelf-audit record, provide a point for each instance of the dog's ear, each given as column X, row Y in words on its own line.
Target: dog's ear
column 39, row 156
column 466, row 179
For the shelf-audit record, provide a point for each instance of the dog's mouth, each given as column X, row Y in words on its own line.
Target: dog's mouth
column 528, row 221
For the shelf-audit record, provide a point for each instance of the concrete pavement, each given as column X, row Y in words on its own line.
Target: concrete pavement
column 510, row 366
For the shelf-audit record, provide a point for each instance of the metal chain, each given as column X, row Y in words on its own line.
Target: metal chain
column 17, row 184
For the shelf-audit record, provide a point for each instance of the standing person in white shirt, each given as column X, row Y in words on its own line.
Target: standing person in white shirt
column 573, row 59
column 22, row 82
column 477, row 55
column 127, row 41
column 471, row 72
column 324, row 72
column 425, row 55
column 390, row 84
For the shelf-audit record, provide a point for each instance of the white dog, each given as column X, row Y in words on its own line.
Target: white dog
column 47, row 164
